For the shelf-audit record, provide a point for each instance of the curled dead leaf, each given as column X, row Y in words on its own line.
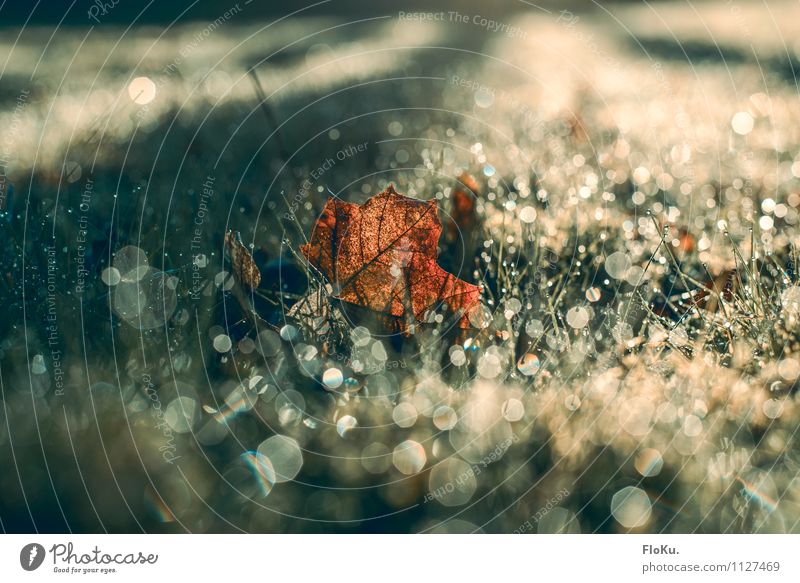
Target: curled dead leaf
column 244, row 267
column 382, row 256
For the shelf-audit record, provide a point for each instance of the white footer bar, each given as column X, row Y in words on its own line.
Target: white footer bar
column 390, row 558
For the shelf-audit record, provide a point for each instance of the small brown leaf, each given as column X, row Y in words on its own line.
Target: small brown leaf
column 463, row 215
column 245, row 269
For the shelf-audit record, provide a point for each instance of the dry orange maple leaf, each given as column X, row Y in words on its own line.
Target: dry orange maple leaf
column 382, row 255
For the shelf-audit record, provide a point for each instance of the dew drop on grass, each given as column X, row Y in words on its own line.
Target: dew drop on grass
column 472, row 344
column 790, row 299
column 445, row 418
column 617, row 265
column 513, row 410
column 772, row 408
column 555, row 340
column 131, row 263
column 631, row 507
column 452, row 482
column 332, row 378
column 38, row 365
column 222, row 343
column 572, row 402
column 527, row 214
column 534, row 329
column 256, row 384
column 489, row 365
column 409, row 457
column 376, row 458
column 345, row 424
column 378, row 351
column 577, row 317
column 181, row 414
column 268, row 343
column 291, row 399
column 622, row 332
column 289, row 333
column 666, row 413
column 635, row 415
column 528, row 364
column 360, row 336
column 224, row 280
column 593, row 294
column 147, row 302
column 634, row 275
column 284, row 455
column 262, row 471
column 649, row 462
column 559, row 520
column 789, row 369
column 305, row 352
column 246, row 345
column 238, row 401
column 142, row 90
column 404, row 415
column 479, row 317
column 110, row 276
column 513, row 306
column 484, row 98
column 692, row 426
column 742, row 123
column 395, row 128
column 457, row 356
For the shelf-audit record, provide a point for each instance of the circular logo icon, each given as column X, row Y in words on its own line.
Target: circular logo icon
column 31, row 556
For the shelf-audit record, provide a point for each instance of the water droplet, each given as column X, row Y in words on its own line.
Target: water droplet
column 527, row 214
column 409, row 457
column 528, row 364
column 445, row 418
column 617, row 265
column 222, row 343
column 649, row 462
column 289, row 333
column 742, row 123
column 452, row 482
column 577, row 317
column 345, row 424
column 404, row 415
column 285, row 456
column 513, row 410
column 332, row 378
column 631, row 507
column 142, row 90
